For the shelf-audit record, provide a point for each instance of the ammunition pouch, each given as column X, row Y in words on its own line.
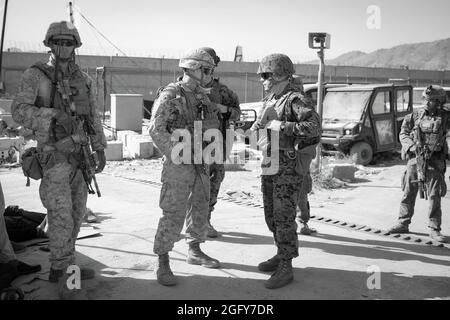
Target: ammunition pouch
column 301, row 143
column 66, row 145
column 31, row 165
column 210, row 124
column 80, row 94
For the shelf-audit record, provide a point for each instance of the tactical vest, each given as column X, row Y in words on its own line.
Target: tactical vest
column 189, row 110
column 215, row 95
column 433, row 130
column 284, row 113
column 78, row 88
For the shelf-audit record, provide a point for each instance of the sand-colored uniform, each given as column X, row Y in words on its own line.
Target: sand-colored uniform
column 63, row 191
column 435, row 132
column 185, row 189
column 220, row 93
column 6, row 249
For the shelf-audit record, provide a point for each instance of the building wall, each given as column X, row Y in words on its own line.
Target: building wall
column 146, row 75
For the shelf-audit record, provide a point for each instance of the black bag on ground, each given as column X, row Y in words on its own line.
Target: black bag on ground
column 21, row 224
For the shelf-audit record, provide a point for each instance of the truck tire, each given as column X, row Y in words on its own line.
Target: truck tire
column 361, row 153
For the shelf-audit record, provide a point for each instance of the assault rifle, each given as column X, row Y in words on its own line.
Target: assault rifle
column 82, row 129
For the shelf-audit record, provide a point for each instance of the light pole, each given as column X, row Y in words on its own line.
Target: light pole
column 1, row 45
column 321, row 41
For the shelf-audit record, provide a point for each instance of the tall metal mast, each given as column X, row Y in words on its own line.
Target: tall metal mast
column 1, row 45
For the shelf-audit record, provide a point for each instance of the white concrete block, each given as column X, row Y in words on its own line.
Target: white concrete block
column 5, row 106
column 125, row 136
column 140, row 148
column 127, row 111
column 114, row 151
column 343, row 172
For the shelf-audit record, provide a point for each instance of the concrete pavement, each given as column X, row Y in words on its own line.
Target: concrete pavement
column 332, row 265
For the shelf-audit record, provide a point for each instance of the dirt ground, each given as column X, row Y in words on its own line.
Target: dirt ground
column 244, row 183
column 335, row 263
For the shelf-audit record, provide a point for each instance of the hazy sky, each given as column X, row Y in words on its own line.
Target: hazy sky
column 169, row 28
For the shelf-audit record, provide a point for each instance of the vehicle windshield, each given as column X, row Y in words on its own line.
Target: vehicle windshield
column 345, row 105
column 417, row 98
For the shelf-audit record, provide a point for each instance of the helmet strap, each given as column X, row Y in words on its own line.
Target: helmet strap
column 191, row 75
column 278, row 86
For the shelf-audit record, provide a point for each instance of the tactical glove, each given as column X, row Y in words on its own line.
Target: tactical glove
column 64, row 120
column 101, row 161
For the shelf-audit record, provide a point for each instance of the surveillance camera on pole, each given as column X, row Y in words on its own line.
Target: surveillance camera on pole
column 321, row 41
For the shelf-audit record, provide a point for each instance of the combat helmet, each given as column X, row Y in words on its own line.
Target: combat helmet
column 62, row 29
column 213, row 54
column 196, row 59
column 435, row 92
column 280, row 65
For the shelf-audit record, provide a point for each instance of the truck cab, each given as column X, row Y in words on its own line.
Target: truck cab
column 362, row 120
column 250, row 110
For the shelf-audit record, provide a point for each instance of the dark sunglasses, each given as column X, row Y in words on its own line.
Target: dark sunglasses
column 207, row 71
column 266, row 75
column 64, row 43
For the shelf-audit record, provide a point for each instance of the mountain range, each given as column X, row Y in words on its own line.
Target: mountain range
column 426, row 56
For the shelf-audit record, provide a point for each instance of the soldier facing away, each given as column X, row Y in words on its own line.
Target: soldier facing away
column 179, row 107
column 228, row 104
column 299, row 128
column 42, row 105
column 425, row 138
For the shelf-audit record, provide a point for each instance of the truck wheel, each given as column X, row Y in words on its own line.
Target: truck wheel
column 361, row 153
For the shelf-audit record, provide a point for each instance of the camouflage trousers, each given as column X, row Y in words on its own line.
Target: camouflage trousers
column 184, row 196
column 303, row 214
column 280, row 196
column 63, row 193
column 216, row 174
column 436, row 188
column 6, row 250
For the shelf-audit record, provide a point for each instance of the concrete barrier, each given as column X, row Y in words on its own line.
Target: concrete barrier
column 125, row 136
column 345, row 172
column 140, row 147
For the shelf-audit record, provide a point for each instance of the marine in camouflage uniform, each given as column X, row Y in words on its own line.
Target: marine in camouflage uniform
column 228, row 104
column 299, row 128
column 185, row 189
column 304, row 209
column 39, row 106
column 432, row 122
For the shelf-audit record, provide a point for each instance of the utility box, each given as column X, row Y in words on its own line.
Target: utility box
column 5, row 106
column 126, row 111
column 114, row 151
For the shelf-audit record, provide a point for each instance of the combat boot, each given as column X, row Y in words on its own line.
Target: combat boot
column 399, row 228
column 437, row 236
column 306, row 230
column 164, row 275
column 282, row 276
column 197, row 256
column 212, row 233
column 270, row 265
